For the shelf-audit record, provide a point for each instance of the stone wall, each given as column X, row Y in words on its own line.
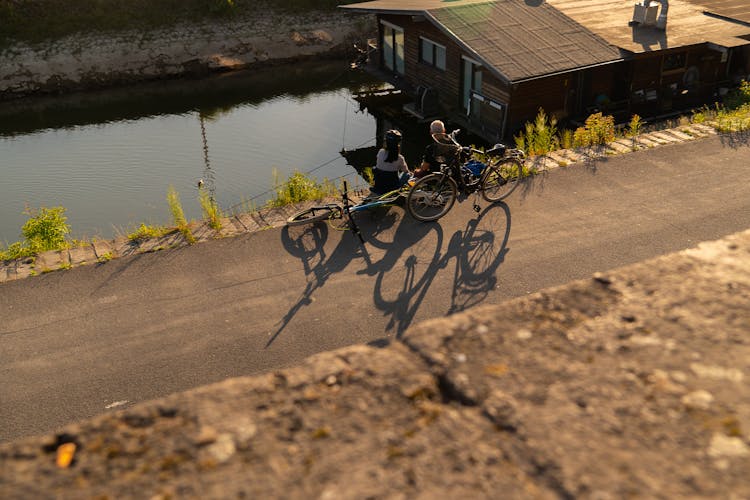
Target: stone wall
column 629, row 384
column 91, row 61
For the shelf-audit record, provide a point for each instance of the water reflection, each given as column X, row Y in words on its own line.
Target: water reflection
column 109, row 157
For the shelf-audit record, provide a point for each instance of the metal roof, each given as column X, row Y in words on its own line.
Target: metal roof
column 516, row 39
column 524, row 39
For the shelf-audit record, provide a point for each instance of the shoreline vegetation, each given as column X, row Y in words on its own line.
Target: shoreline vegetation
column 47, row 228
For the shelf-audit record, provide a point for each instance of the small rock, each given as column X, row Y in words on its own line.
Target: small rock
column 223, row 449
column 523, row 334
column 717, row 372
column 698, row 400
column 207, row 435
column 727, row 447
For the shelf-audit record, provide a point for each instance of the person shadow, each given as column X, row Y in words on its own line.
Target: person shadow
column 477, row 251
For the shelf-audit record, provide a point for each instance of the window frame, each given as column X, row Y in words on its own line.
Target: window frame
column 433, row 62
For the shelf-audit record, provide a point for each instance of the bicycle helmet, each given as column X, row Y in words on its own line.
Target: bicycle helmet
column 393, row 137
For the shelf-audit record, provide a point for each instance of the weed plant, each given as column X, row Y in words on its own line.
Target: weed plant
column 540, row 136
column 211, row 211
column 147, row 232
column 299, row 187
column 178, row 214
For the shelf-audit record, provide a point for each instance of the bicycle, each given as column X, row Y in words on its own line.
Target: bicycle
column 432, row 196
column 332, row 211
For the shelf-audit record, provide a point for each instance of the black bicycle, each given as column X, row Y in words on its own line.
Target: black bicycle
column 332, row 211
column 462, row 171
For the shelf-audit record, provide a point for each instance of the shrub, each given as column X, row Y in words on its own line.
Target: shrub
column 46, row 229
column 738, row 97
column 598, row 129
column 15, row 250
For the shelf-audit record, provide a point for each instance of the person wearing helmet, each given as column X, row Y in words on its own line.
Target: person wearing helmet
column 430, row 162
column 389, row 164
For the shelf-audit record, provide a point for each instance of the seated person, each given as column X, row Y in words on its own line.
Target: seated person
column 389, row 163
column 431, row 161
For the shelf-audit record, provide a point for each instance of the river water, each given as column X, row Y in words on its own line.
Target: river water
column 109, row 157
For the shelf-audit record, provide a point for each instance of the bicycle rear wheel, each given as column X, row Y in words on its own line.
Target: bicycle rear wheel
column 314, row 214
column 501, row 179
column 431, row 197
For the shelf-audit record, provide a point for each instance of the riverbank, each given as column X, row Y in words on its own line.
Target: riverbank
column 100, row 251
column 92, row 61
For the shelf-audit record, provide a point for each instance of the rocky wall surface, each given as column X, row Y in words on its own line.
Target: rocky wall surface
column 84, row 62
column 630, row 384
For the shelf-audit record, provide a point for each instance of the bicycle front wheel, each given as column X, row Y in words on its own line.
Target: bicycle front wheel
column 314, row 214
column 502, row 179
column 431, row 197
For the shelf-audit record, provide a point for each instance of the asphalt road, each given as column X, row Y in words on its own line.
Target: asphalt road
column 75, row 343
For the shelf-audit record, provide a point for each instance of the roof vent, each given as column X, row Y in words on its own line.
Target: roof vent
column 645, row 13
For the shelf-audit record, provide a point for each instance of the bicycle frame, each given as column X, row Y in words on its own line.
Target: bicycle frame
column 385, row 199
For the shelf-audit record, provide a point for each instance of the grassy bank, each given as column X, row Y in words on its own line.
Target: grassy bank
column 38, row 20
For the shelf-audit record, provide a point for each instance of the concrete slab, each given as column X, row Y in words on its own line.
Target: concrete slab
column 646, row 142
column 557, row 158
column 48, row 261
column 665, row 137
column 82, row 255
column 654, row 137
column 248, row 222
column 570, row 155
column 704, row 128
column 103, row 249
column 680, row 135
column 620, row 148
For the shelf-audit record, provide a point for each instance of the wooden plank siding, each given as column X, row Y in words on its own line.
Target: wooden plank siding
column 659, row 73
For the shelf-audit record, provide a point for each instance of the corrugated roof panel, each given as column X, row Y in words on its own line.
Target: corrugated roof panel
column 522, row 40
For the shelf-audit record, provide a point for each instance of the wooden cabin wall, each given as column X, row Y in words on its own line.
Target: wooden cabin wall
column 417, row 73
column 448, row 82
column 652, row 75
column 553, row 94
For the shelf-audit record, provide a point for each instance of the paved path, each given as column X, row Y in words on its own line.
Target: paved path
column 74, row 343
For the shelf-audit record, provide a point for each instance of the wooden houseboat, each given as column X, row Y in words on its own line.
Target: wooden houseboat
column 490, row 65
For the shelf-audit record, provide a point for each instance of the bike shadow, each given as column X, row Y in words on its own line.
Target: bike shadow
column 477, row 251
column 414, row 256
column 308, row 243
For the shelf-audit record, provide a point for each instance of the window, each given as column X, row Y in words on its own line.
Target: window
column 432, row 53
column 393, row 47
column 674, row 61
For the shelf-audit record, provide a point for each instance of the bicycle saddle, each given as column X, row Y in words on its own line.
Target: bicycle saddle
column 497, row 150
